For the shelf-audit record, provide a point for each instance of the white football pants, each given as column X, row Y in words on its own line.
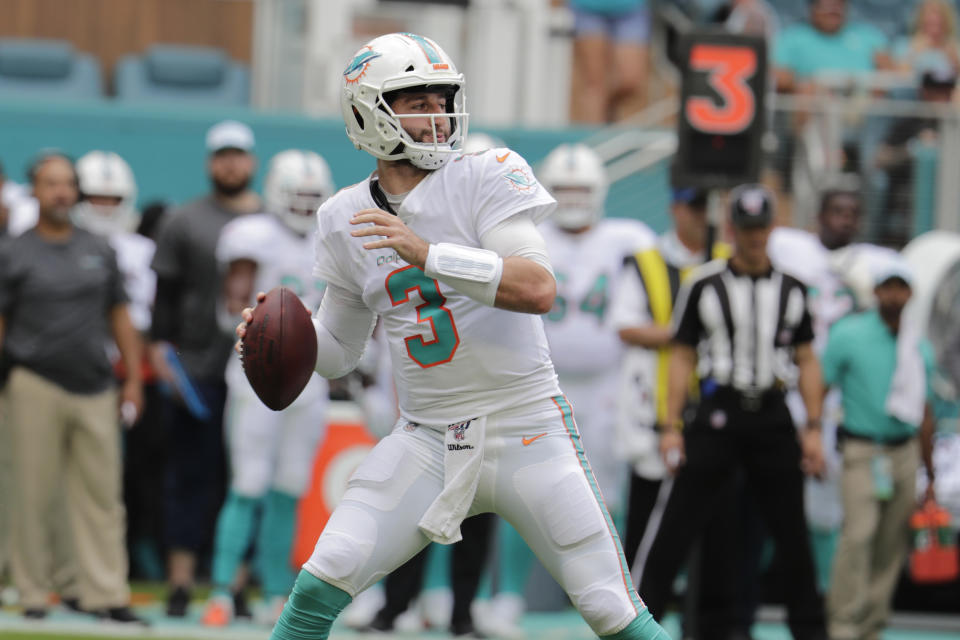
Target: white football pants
column 534, row 474
column 273, row 449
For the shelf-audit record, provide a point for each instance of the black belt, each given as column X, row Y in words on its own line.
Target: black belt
column 751, row 400
column 845, row 434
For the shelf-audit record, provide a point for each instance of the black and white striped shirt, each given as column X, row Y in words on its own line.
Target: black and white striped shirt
column 745, row 326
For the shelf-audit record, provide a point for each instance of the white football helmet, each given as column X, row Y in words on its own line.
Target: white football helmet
column 575, row 176
column 389, row 63
column 104, row 173
column 297, row 183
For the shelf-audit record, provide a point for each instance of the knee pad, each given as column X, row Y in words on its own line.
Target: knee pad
column 597, row 587
column 559, row 496
column 344, row 547
column 251, row 477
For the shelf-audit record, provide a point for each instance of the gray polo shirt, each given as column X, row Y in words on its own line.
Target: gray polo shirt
column 186, row 253
column 56, row 298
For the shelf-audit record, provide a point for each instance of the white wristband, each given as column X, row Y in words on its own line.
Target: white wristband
column 463, row 263
column 473, row 272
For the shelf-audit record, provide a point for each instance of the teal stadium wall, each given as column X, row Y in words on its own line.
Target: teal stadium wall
column 165, row 147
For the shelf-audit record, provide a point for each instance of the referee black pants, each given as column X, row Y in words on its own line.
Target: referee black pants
column 724, row 441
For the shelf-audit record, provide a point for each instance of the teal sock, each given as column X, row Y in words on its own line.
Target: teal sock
column 516, row 560
column 823, row 544
column 485, row 588
column 234, row 530
column 643, row 627
column 437, row 573
column 311, row 610
column 274, row 542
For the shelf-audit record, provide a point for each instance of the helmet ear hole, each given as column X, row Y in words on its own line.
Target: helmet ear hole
column 356, row 114
column 409, row 69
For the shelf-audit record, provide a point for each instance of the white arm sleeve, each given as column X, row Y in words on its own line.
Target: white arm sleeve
column 515, row 236
column 518, row 236
column 343, row 324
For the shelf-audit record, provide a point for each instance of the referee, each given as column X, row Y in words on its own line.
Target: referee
column 752, row 324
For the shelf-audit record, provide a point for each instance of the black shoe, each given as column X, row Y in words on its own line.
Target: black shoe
column 34, row 614
column 177, row 602
column 123, row 615
column 379, row 624
column 465, row 629
column 73, row 604
column 241, row 610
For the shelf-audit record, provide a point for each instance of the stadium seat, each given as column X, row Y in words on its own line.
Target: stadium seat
column 177, row 73
column 39, row 68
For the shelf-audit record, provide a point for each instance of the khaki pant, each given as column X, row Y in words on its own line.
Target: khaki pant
column 69, row 444
column 873, row 540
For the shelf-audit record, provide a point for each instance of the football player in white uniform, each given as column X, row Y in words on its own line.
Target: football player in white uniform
column 444, row 248
column 838, row 272
column 108, row 208
column 271, row 453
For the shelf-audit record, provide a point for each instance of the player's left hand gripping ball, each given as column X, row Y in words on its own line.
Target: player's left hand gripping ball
column 279, row 349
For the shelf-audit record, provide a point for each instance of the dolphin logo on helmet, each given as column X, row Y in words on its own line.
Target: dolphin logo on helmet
column 358, row 66
column 396, row 62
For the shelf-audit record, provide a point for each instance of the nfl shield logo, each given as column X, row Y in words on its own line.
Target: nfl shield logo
column 459, row 428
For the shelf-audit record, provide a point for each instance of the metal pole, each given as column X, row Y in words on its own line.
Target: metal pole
column 714, row 221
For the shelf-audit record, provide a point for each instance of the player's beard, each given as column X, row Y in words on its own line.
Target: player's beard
column 425, row 135
column 232, row 188
column 58, row 215
column 890, row 312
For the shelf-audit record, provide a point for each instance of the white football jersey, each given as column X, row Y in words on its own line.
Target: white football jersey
column 453, row 358
column 283, row 258
column 839, row 281
column 134, row 255
column 583, row 340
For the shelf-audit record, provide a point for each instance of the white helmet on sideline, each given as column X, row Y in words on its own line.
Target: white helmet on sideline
column 575, row 176
column 106, row 174
column 479, row 141
column 390, row 63
column 297, row 183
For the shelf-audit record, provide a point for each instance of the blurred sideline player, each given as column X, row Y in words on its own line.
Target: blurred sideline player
column 587, row 252
column 838, row 273
column 108, row 208
column 271, row 453
column 108, row 192
column 468, row 350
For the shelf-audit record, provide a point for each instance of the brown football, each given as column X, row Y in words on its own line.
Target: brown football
column 279, row 348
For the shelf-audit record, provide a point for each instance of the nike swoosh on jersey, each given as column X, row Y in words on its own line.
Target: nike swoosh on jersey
column 503, row 157
column 527, row 441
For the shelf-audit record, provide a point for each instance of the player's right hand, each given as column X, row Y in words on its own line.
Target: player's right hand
column 672, row 450
column 247, row 315
column 156, row 355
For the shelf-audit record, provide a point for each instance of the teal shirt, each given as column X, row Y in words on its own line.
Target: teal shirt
column 860, row 359
column 806, row 51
